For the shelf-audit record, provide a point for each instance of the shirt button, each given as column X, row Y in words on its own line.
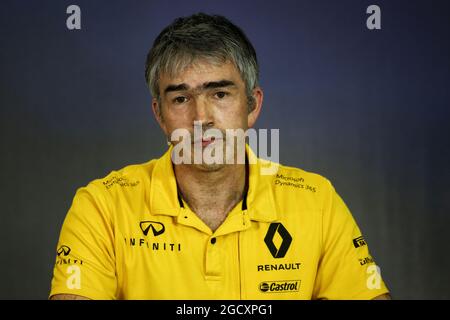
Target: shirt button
column 213, row 240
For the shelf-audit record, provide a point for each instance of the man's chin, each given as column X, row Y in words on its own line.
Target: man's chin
column 209, row 167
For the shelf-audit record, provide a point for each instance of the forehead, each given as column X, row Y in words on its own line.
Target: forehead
column 199, row 72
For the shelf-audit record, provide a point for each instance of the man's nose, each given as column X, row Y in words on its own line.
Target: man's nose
column 203, row 112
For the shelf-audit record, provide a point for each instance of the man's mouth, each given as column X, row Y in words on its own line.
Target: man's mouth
column 205, row 141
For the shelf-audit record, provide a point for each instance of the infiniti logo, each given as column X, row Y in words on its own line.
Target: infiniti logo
column 63, row 250
column 157, row 227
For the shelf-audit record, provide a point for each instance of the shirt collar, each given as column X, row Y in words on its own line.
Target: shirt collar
column 163, row 187
column 259, row 200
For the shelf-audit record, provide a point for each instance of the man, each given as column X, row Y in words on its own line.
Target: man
column 171, row 229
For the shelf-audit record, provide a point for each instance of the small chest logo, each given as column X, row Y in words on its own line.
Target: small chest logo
column 280, row 286
column 63, row 250
column 157, row 227
column 359, row 242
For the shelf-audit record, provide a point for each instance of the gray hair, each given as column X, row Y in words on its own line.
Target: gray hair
column 201, row 37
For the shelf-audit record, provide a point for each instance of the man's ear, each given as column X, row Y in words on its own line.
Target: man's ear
column 258, row 96
column 156, row 107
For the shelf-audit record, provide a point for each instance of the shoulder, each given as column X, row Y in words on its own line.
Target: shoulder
column 101, row 198
column 123, row 180
column 125, row 185
column 296, row 190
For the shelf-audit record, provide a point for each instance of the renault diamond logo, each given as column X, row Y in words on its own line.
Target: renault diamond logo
column 63, row 250
column 285, row 236
column 157, row 227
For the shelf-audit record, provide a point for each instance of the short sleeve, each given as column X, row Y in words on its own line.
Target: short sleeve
column 85, row 259
column 346, row 268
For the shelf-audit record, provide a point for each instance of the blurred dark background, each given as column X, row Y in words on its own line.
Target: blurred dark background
column 368, row 109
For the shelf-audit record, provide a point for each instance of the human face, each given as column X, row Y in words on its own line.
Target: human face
column 212, row 94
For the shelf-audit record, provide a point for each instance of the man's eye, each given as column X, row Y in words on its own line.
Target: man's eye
column 180, row 100
column 221, row 94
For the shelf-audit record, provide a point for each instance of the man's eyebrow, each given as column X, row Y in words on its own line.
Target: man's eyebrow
column 176, row 87
column 205, row 86
column 218, row 84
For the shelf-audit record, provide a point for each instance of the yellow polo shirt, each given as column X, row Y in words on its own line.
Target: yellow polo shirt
column 130, row 236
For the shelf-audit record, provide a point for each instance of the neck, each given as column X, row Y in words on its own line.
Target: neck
column 211, row 194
